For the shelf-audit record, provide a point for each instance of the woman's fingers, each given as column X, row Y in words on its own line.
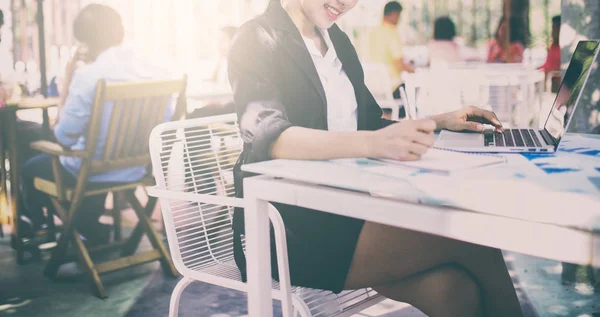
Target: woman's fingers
column 425, row 125
column 408, row 140
column 424, row 138
column 491, row 117
column 468, row 126
column 486, row 116
column 418, row 149
column 409, row 157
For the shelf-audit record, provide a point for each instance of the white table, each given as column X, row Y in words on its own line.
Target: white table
column 536, row 233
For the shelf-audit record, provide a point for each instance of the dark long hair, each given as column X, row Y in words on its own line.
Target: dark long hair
column 517, row 30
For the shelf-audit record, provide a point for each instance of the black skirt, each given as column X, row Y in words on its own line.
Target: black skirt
column 320, row 247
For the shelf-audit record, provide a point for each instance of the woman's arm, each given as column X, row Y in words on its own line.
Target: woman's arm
column 308, row 144
column 402, row 141
column 268, row 133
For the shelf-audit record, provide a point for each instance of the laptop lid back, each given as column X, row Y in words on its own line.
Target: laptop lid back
column 573, row 83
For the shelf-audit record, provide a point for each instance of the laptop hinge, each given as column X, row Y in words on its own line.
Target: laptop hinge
column 547, row 137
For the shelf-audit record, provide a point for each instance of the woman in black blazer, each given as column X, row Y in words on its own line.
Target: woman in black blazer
column 282, row 97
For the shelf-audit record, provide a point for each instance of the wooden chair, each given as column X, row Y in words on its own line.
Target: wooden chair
column 136, row 109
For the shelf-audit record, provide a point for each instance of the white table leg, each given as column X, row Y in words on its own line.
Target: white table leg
column 258, row 258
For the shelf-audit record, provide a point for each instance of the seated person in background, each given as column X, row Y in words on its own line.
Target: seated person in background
column 497, row 53
column 100, row 31
column 552, row 63
column 385, row 46
column 443, row 48
column 28, row 131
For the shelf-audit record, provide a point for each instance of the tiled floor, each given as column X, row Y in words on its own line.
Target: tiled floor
column 539, row 278
column 144, row 293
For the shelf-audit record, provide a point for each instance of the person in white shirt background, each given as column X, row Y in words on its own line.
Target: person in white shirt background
column 100, row 55
column 443, row 49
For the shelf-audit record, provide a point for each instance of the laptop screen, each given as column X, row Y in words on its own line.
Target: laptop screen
column 582, row 62
column 586, row 117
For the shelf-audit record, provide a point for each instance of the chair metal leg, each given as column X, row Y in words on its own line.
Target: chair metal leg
column 116, row 214
column 148, row 228
column 86, row 261
column 9, row 129
column 176, row 296
column 51, row 226
column 3, row 191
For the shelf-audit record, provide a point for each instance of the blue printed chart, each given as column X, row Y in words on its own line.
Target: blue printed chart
column 577, row 163
column 561, row 188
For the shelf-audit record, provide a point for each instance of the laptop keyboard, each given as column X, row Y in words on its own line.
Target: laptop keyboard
column 513, row 138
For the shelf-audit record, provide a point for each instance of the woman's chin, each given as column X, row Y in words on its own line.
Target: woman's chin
column 325, row 24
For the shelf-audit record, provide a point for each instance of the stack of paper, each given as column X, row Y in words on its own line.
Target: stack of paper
column 444, row 161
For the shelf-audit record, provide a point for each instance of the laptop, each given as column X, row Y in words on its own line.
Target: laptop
column 527, row 139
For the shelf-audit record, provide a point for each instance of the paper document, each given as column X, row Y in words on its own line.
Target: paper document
column 444, row 161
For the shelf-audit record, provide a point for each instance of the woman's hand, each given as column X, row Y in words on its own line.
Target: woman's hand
column 404, row 141
column 467, row 119
column 72, row 65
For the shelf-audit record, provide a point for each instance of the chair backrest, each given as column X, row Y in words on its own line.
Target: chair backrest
column 124, row 114
column 377, row 79
column 193, row 164
column 193, row 160
column 433, row 92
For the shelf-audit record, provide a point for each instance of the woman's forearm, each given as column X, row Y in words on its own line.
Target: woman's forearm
column 299, row 143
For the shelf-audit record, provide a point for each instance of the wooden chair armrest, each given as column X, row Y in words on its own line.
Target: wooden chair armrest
column 56, row 149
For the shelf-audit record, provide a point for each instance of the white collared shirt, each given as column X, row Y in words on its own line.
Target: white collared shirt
column 339, row 91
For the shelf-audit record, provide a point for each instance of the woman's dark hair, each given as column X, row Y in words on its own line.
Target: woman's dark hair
column 517, row 30
column 99, row 27
column 392, row 7
column 444, row 29
column 556, row 20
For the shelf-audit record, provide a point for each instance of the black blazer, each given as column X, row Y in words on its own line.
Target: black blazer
column 276, row 86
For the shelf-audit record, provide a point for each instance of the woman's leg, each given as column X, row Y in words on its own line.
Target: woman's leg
column 386, row 255
column 443, row 291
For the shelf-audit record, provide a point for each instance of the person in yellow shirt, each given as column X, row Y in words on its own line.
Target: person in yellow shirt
column 385, row 46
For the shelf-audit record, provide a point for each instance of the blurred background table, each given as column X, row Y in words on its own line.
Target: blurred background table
column 514, row 92
column 9, row 177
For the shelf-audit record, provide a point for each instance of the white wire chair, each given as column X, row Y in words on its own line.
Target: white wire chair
column 193, row 164
column 379, row 83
